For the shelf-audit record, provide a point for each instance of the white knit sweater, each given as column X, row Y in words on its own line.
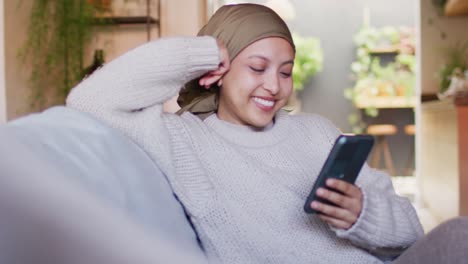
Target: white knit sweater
column 243, row 189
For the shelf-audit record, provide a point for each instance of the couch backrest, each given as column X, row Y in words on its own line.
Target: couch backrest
column 109, row 166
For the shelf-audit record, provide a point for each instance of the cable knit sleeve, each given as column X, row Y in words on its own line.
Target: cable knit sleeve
column 145, row 76
column 128, row 93
column 387, row 220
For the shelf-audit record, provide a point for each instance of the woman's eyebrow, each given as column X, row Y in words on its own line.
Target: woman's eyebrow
column 266, row 59
column 258, row 57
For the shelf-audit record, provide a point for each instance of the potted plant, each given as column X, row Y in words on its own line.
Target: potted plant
column 456, row 61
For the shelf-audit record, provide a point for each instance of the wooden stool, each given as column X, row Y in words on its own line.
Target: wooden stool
column 381, row 146
column 410, row 131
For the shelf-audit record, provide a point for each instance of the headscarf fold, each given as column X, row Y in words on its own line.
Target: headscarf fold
column 237, row 26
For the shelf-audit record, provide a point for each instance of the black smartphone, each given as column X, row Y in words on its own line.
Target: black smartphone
column 344, row 162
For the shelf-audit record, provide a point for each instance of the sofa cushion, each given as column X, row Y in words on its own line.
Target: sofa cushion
column 108, row 165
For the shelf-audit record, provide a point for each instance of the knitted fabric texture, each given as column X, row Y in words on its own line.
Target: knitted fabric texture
column 243, row 189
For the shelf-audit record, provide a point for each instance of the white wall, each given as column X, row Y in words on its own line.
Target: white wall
column 2, row 67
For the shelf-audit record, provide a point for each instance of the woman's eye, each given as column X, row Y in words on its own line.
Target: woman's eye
column 285, row 74
column 255, row 69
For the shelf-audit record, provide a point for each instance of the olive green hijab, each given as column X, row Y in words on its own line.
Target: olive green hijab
column 237, row 26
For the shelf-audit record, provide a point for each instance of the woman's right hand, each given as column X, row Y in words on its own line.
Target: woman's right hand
column 215, row 76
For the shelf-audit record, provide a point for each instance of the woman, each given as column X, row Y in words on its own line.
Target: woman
column 241, row 166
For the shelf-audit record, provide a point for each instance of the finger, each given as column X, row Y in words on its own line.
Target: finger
column 334, row 197
column 208, row 80
column 335, row 222
column 213, row 80
column 344, row 187
column 222, row 68
column 352, row 204
column 203, row 82
column 333, row 211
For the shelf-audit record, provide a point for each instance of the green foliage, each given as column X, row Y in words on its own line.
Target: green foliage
column 57, row 35
column 358, row 126
column 439, row 5
column 308, row 60
column 457, row 58
column 371, row 38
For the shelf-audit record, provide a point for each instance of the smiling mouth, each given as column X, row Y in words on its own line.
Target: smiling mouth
column 263, row 103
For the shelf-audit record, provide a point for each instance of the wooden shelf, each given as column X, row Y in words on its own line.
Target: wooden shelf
column 429, row 97
column 386, row 102
column 133, row 20
column 385, row 50
column 456, row 8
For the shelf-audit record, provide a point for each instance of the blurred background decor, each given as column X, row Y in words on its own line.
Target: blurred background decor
column 101, row 5
column 451, row 7
column 307, row 63
column 384, row 71
column 57, row 35
column 454, row 72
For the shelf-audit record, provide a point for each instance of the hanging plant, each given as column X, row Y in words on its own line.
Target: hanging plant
column 58, row 33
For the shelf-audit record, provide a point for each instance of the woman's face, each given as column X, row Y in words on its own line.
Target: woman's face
column 258, row 83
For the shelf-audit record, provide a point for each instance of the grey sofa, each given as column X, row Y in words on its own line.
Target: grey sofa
column 73, row 190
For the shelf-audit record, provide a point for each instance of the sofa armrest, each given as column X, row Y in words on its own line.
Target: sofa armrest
column 71, row 183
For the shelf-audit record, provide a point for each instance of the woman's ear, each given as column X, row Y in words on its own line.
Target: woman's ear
column 220, row 82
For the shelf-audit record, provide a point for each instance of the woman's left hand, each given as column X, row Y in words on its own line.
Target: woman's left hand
column 349, row 204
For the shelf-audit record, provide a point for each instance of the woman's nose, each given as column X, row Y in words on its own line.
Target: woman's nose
column 272, row 84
